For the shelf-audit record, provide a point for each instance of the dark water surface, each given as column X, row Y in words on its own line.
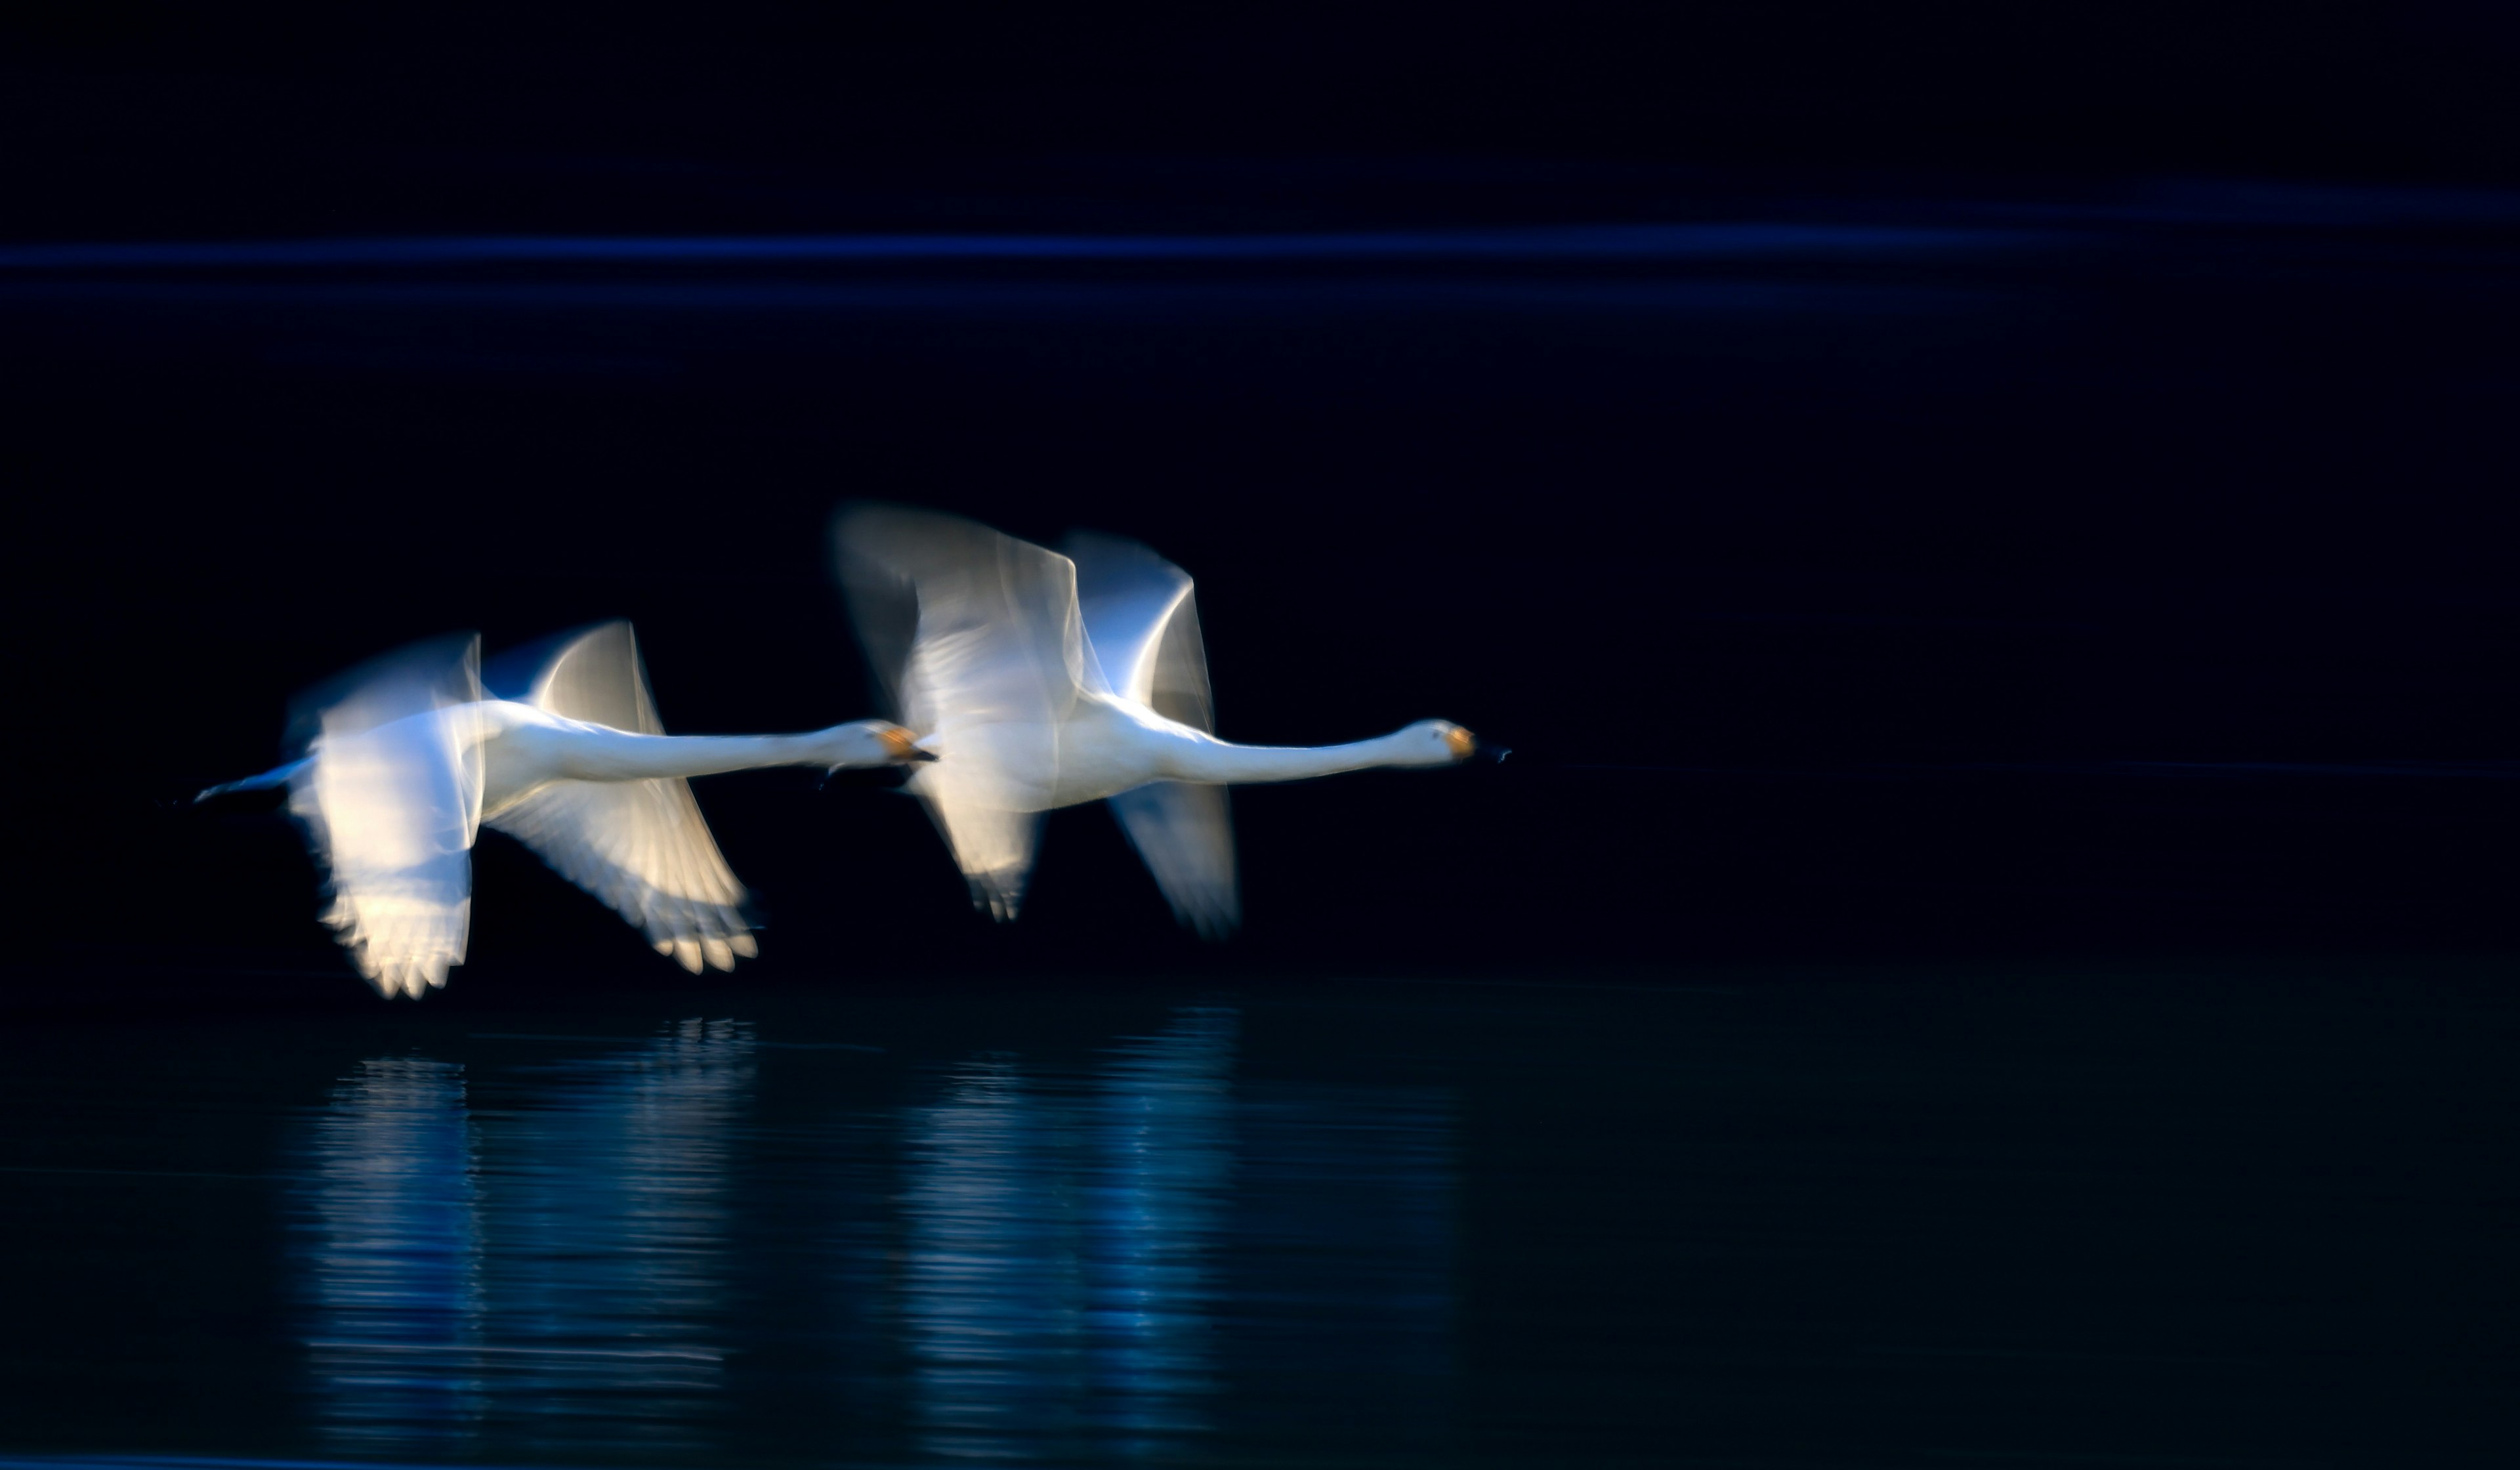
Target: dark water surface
column 2194, row 1212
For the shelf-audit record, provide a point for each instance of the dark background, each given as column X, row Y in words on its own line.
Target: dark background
column 2047, row 492
column 1987, row 528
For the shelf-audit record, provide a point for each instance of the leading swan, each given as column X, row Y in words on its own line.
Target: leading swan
column 1046, row 680
column 408, row 757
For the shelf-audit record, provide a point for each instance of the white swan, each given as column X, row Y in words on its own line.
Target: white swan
column 1046, row 680
column 407, row 757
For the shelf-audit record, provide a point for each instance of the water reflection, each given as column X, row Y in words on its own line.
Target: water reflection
column 995, row 1314
column 557, row 1269
column 607, row 1217
column 393, row 1266
column 1141, row 1258
column 1164, row 1124
column 1345, row 1262
column 1060, row 1277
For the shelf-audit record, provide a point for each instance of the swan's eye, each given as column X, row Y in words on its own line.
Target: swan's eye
column 1459, row 741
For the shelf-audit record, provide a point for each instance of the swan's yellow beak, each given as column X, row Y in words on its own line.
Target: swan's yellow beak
column 1461, row 742
column 903, row 746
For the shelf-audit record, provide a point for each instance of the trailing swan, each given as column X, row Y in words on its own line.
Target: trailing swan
column 407, row 757
column 1047, row 680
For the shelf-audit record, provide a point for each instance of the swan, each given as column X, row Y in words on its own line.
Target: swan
column 408, row 756
column 1050, row 679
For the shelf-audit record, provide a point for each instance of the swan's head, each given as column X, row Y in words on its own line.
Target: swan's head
column 1437, row 743
column 876, row 742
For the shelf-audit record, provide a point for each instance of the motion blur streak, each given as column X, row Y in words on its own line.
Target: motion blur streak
column 184, row 1462
column 1595, row 242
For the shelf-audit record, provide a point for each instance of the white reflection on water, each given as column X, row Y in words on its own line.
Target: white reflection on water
column 1141, row 1259
column 393, row 1256
column 995, row 1314
column 554, row 1273
column 1059, row 1275
column 606, row 1220
column 1164, row 1124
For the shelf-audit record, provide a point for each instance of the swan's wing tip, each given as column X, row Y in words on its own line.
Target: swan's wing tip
column 643, row 848
column 997, row 900
column 1212, row 925
column 1184, row 832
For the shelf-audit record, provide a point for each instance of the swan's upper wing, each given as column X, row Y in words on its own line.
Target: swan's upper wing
column 641, row 846
column 1140, row 618
column 390, row 797
column 961, row 620
column 974, row 637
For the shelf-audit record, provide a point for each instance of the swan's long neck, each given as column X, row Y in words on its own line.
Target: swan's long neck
column 533, row 750
column 595, row 753
column 1218, row 763
column 608, row 755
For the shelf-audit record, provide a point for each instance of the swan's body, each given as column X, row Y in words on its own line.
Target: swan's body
column 1048, row 680
column 408, row 757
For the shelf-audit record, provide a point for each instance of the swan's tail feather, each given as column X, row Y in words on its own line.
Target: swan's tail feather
column 268, row 780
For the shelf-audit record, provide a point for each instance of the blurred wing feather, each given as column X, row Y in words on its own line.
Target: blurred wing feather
column 390, row 799
column 1141, row 616
column 975, row 637
column 1141, row 619
column 640, row 846
column 1185, row 833
column 597, row 676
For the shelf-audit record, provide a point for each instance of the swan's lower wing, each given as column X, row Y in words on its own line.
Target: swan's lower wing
column 994, row 847
column 642, row 848
column 1185, row 833
column 976, row 639
column 989, row 818
column 1141, row 619
column 390, row 812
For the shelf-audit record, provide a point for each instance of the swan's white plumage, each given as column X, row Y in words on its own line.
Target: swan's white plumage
column 405, row 758
column 391, row 800
column 1139, row 614
column 1184, row 832
column 979, row 642
column 1046, row 681
column 640, row 846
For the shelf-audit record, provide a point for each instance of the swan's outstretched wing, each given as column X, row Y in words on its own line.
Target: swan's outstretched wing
column 1141, row 619
column 641, row 846
column 390, row 796
column 975, row 637
column 1185, row 834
